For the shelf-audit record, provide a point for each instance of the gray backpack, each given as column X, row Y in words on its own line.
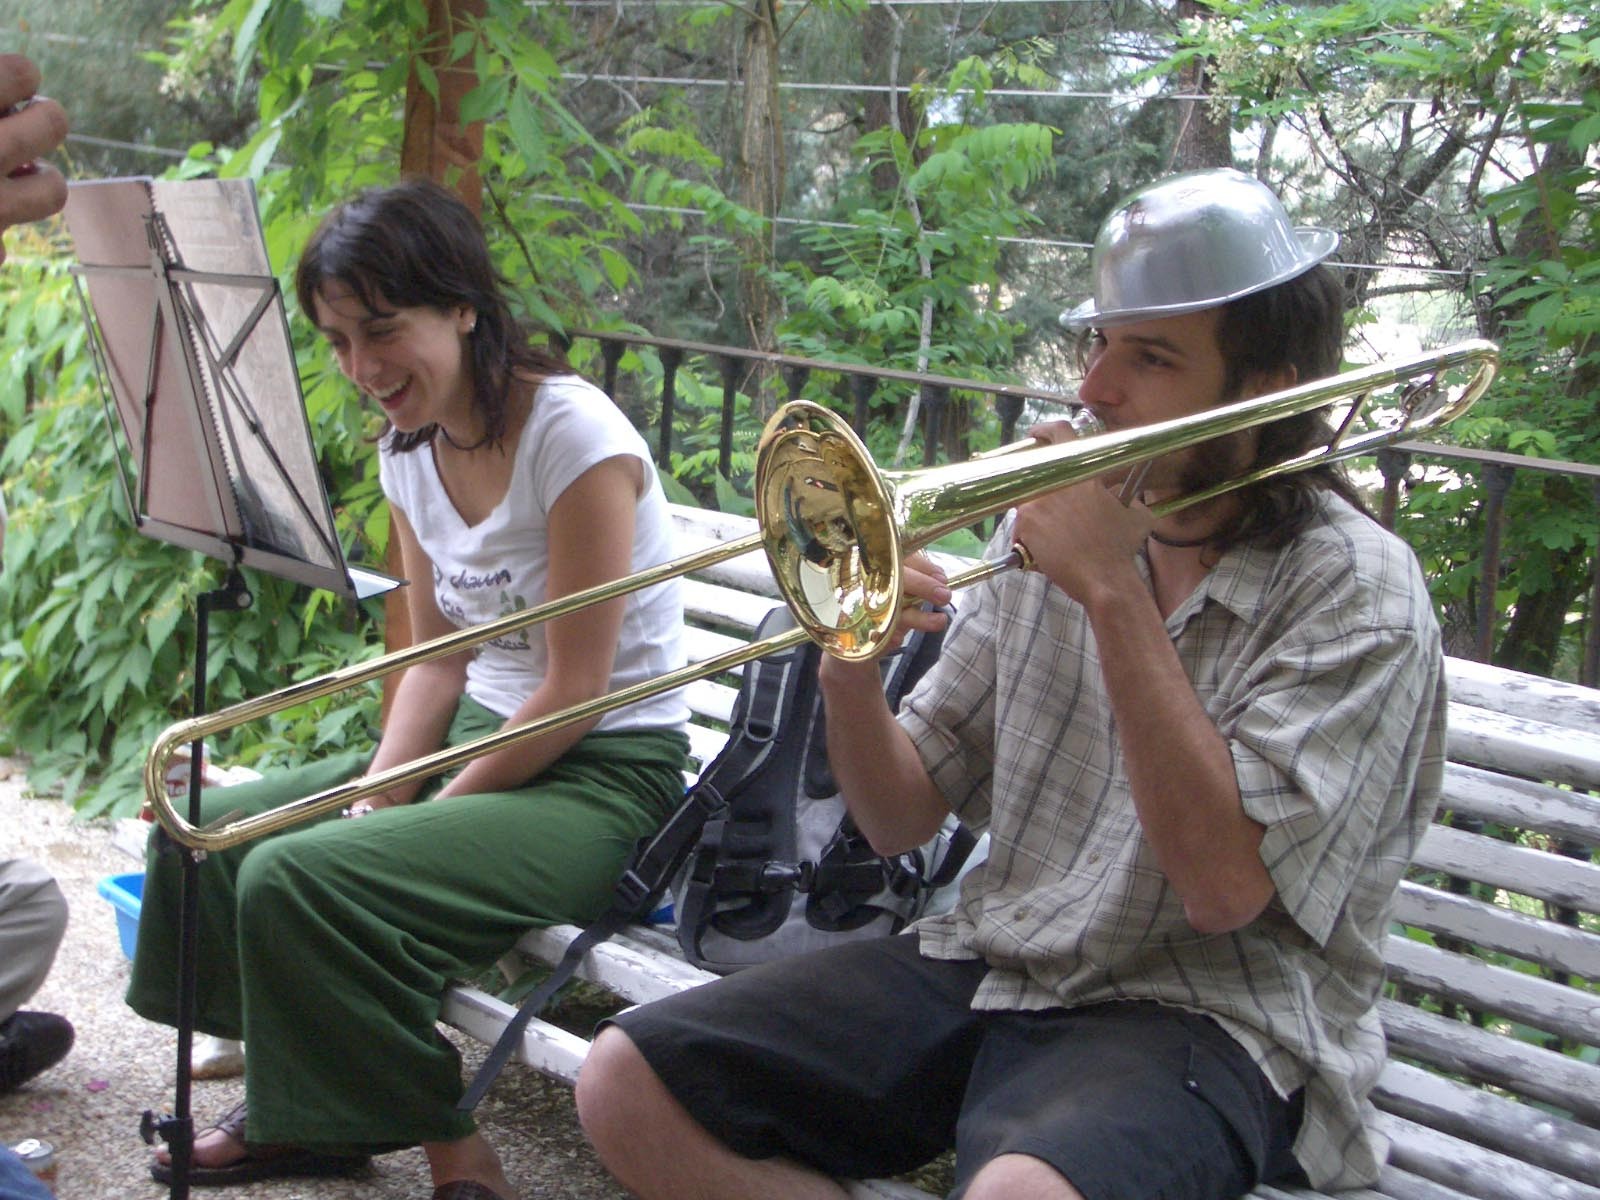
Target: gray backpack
column 779, row 867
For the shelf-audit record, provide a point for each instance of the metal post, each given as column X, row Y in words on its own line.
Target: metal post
column 611, row 353
column 935, row 407
column 671, row 360
column 1589, row 670
column 729, row 367
column 794, row 380
column 1009, row 408
column 177, row 1130
column 1497, row 478
column 1393, row 464
column 861, row 389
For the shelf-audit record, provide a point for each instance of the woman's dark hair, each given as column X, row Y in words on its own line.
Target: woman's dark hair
column 416, row 245
column 1298, row 323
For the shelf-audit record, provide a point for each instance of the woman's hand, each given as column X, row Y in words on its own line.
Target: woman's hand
column 371, row 804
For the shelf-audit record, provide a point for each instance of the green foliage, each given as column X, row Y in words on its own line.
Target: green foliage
column 1506, row 150
column 97, row 623
column 909, row 257
column 930, row 247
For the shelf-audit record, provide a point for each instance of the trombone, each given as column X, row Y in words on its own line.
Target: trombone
column 835, row 530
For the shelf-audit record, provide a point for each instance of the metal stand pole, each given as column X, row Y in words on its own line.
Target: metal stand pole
column 177, row 1130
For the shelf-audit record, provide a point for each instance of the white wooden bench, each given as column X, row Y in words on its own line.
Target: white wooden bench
column 1502, row 909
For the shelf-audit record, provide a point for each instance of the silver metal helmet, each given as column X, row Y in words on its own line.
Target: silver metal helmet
column 1194, row 241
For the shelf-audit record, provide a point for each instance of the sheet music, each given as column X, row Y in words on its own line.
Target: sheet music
column 200, row 365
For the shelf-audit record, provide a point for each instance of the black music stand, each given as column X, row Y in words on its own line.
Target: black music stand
column 187, row 327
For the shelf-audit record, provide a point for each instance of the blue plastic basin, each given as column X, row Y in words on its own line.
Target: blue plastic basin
column 126, row 893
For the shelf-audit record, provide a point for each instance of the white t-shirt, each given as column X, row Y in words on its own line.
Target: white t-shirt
column 500, row 565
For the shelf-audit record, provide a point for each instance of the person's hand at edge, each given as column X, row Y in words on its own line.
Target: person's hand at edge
column 31, row 126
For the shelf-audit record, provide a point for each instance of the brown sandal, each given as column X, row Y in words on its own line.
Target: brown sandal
column 261, row 1161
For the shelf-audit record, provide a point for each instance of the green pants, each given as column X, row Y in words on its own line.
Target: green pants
column 328, row 947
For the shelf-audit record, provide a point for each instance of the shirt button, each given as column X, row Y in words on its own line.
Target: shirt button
column 1021, row 914
column 1095, row 857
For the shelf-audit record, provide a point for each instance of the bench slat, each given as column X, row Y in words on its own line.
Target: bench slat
column 1525, row 1133
column 1523, row 695
column 1519, row 746
column 1403, row 1185
column 697, row 529
column 1472, row 1169
column 1521, row 803
column 882, row 1189
column 1570, row 882
column 1541, row 1003
column 546, row 1048
column 634, row 972
column 724, row 607
column 1548, row 943
column 704, row 745
column 1521, row 1067
column 710, row 703
column 702, row 644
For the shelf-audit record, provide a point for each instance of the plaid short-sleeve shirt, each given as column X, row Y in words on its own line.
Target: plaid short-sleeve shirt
column 1321, row 665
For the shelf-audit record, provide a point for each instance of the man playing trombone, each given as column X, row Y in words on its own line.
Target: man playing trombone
column 1204, row 746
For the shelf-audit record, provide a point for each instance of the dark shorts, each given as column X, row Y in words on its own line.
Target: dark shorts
column 867, row 1060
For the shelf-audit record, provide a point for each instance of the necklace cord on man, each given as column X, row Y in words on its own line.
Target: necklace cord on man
column 1179, row 543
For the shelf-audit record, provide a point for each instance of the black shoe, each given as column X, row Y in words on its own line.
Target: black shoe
column 31, row 1042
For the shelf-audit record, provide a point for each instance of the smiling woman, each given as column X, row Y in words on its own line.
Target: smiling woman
column 511, row 481
column 412, row 361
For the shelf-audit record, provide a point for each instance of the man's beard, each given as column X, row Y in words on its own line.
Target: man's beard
column 1220, row 460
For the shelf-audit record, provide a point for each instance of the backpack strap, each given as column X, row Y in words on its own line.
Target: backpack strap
column 961, row 844
column 766, row 694
column 655, row 860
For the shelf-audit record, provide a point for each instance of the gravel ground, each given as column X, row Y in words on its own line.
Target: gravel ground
column 89, row 1105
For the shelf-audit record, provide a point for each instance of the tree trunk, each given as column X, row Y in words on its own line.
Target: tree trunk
column 1534, row 632
column 432, row 143
column 888, row 109
column 760, row 175
column 434, row 140
column 1203, row 135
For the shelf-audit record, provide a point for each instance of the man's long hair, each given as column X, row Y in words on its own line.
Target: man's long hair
column 415, row 244
column 1299, row 324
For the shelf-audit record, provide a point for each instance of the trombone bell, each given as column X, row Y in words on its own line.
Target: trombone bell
column 828, row 529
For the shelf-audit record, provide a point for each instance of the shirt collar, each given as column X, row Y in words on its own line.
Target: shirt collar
column 1238, row 582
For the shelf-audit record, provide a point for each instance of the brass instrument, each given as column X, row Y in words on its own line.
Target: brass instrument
column 835, row 530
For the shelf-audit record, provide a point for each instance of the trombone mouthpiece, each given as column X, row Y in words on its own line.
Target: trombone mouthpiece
column 1084, row 423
